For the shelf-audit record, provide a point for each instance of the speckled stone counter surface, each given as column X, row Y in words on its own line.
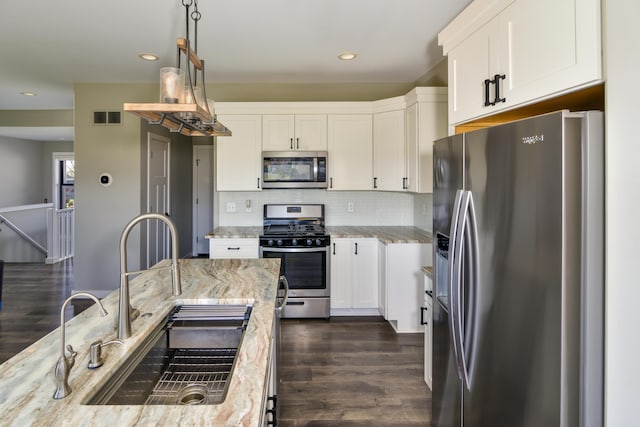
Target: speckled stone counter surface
column 27, row 380
column 386, row 234
column 428, row 271
column 235, row 233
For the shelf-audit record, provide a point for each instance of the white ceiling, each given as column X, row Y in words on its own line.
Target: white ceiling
column 47, row 46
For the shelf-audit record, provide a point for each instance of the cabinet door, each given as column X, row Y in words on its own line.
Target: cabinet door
column 426, row 122
column 233, row 248
column 365, row 273
column 310, row 132
column 428, row 340
column 546, row 53
column 341, row 273
column 350, row 146
column 239, row 156
column 405, row 284
column 389, row 151
column 470, row 64
column 278, row 132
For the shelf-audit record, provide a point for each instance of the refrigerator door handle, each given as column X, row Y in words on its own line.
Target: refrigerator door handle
column 468, row 339
column 454, row 277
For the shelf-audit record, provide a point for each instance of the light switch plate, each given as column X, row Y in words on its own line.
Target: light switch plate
column 231, row 207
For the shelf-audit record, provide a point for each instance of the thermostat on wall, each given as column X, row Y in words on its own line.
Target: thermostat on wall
column 105, row 179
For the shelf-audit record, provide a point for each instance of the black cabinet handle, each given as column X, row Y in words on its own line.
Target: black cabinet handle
column 422, row 321
column 291, row 144
column 375, row 182
column 258, row 183
column 273, row 411
column 297, row 143
column 487, row 83
column 331, row 182
column 356, row 248
column 334, row 248
column 496, row 81
column 237, row 248
column 404, row 183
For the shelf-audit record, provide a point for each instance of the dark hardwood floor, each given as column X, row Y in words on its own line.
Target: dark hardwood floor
column 351, row 372
column 337, row 372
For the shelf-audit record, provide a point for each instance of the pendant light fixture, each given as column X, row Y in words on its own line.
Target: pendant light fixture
column 183, row 105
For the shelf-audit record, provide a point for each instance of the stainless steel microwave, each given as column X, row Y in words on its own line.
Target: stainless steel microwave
column 294, row 169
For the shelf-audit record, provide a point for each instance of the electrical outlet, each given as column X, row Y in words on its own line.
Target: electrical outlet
column 349, row 206
column 247, row 206
column 231, row 207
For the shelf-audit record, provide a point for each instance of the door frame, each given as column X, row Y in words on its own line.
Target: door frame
column 196, row 151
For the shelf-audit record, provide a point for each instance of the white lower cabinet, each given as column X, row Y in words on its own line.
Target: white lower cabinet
column 427, row 321
column 354, row 276
column 404, row 284
column 233, row 248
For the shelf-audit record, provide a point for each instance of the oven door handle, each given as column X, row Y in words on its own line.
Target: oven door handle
column 285, row 282
column 281, row 250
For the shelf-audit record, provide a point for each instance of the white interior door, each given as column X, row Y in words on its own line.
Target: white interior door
column 158, row 161
column 202, row 197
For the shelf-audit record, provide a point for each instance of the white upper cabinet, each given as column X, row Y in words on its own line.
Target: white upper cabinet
column 389, row 161
column 288, row 132
column 426, row 121
column 238, row 156
column 529, row 50
column 350, row 152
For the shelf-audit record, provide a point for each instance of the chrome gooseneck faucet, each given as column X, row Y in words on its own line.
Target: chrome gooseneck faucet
column 125, row 310
column 64, row 364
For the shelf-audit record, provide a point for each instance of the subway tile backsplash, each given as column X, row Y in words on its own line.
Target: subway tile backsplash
column 369, row 207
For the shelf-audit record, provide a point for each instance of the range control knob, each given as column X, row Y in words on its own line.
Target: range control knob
column 318, row 242
column 279, row 242
column 270, row 242
column 294, row 242
column 309, row 242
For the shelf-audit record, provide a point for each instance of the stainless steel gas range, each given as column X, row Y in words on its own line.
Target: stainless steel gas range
column 296, row 235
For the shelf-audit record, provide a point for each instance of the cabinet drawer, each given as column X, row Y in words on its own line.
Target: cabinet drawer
column 233, row 248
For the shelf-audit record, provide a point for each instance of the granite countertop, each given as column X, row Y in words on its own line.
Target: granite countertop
column 27, row 379
column 386, row 234
column 235, row 233
column 428, row 270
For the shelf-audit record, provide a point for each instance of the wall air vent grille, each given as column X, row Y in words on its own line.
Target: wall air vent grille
column 107, row 117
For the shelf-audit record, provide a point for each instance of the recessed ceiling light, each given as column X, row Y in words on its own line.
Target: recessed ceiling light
column 148, row 56
column 28, row 93
column 347, row 56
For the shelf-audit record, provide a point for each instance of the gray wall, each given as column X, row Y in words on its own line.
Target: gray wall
column 102, row 212
column 26, row 170
column 20, row 172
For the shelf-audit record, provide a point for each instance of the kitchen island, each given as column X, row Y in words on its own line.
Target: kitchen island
column 27, row 379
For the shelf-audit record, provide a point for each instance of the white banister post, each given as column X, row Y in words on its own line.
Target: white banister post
column 51, row 237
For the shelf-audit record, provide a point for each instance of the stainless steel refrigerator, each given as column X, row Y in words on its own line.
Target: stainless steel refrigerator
column 518, row 218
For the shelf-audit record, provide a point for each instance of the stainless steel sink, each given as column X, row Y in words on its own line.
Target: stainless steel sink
column 188, row 360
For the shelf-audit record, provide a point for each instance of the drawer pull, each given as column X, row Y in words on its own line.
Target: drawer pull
column 237, row 248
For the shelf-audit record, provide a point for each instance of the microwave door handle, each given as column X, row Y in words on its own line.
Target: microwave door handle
column 315, row 169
